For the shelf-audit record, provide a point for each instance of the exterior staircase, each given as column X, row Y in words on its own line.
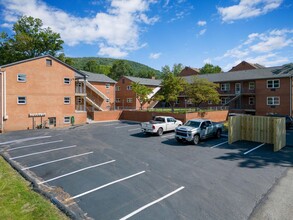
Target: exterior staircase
column 91, row 102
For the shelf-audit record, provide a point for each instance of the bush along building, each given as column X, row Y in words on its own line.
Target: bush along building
column 45, row 92
column 258, row 91
column 126, row 98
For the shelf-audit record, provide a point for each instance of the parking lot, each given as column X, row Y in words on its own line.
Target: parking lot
column 113, row 171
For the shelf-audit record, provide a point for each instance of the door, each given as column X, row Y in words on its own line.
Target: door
column 170, row 124
column 237, row 88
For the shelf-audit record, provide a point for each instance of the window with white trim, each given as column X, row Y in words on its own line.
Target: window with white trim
column 117, row 100
column 66, row 80
column 251, row 86
column 274, row 83
column 251, row 100
column 66, row 119
column 107, row 100
column 129, row 88
column 79, row 100
column 66, row 100
column 273, row 100
column 225, row 87
column 48, row 62
column 21, row 100
column 129, row 100
column 107, row 85
column 21, row 77
column 225, row 100
column 117, row 88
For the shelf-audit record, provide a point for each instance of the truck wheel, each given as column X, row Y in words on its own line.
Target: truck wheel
column 196, row 139
column 160, row 131
column 218, row 133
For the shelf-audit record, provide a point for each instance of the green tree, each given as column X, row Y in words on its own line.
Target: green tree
column 201, row 90
column 142, row 93
column 29, row 40
column 172, row 86
column 91, row 66
column 146, row 73
column 209, row 68
column 120, row 68
column 176, row 70
column 65, row 59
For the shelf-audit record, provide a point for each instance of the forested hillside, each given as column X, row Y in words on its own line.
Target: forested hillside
column 108, row 65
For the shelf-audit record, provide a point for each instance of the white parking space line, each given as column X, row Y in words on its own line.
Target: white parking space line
column 166, row 136
column 254, row 148
column 24, row 139
column 219, row 144
column 32, row 145
column 134, row 129
column 108, row 184
column 54, row 161
column 150, row 204
column 76, row 171
column 124, row 126
column 42, row 152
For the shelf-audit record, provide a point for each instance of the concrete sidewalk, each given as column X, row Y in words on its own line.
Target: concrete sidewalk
column 279, row 202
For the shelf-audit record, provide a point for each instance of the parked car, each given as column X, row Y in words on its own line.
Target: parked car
column 160, row 124
column 197, row 129
column 288, row 119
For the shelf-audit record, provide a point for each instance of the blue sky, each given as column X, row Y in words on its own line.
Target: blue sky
column 158, row 33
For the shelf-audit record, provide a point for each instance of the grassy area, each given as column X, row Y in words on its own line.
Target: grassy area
column 19, row 201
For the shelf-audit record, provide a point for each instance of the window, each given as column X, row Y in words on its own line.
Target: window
column 251, row 101
column 251, row 86
column 48, row 62
column 21, row 100
column 21, row 77
column 117, row 100
column 79, row 100
column 224, row 100
column 66, row 119
column 117, row 88
column 66, row 100
column 210, row 102
column 107, row 100
column 107, row 85
column 52, row 121
column 273, row 100
column 129, row 88
column 66, row 80
column 272, row 84
column 225, row 87
column 129, row 100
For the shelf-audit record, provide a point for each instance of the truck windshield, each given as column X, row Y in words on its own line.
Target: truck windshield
column 194, row 124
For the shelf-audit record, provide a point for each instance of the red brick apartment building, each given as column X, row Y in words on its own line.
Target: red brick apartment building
column 189, row 71
column 126, row 98
column 256, row 91
column 45, row 92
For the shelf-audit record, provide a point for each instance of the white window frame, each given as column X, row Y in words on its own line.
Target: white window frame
column 251, row 100
column 117, row 100
column 49, row 62
column 79, row 100
column 272, row 82
column 251, row 86
column 66, row 119
column 225, row 87
column 21, row 102
column 273, row 100
column 129, row 87
column 66, row 80
column 67, row 100
column 224, row 100
column 117, row 88
column 107, row 85
column 21, row 77
column 129, row 100
column 107, row 100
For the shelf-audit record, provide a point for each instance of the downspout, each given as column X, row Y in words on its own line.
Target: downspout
column 2, row 96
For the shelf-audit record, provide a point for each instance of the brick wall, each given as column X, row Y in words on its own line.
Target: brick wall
column 106, row 116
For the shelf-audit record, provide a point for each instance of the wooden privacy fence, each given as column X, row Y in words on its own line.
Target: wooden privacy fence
column 270, row 130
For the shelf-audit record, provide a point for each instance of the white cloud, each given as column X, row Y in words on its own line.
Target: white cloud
column 155, row 56
column 268, row 48
column 248, row 9
column 116, row 31
column 207, row 60
column 202, row 32
column 201, row 23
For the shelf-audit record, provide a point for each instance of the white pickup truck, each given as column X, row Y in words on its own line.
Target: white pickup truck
column 160, row 124
column 198, row 129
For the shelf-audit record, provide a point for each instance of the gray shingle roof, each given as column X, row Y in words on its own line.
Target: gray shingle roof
column 96, row 77
column 266, row 73
column 145, row 81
